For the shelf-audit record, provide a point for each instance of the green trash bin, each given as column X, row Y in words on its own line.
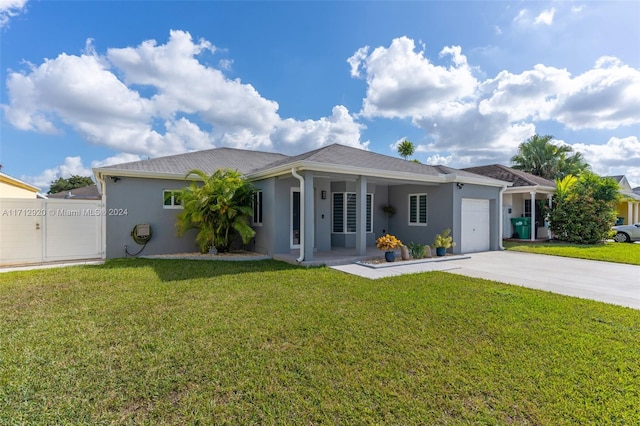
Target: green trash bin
column 522, row 226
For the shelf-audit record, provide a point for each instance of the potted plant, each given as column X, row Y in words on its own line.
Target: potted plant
column 443, row 241
column 389, row 210
column 388, row 243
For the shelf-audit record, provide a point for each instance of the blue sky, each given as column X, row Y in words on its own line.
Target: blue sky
column 87, row 84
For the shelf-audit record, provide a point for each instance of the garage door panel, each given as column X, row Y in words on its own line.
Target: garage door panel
column 476, row 225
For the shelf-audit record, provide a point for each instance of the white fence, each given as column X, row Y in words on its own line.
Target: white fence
column 36, row 231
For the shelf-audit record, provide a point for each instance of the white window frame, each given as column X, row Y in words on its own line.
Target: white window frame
column 426, row 208
column 257, row 208
column 345, row 203
column 173, row 204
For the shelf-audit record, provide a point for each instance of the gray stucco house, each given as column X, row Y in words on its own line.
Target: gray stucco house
column 313, row 202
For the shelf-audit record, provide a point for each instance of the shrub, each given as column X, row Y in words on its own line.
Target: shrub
column 584, row 209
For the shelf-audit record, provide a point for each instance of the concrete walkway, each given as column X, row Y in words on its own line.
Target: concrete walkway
column 50, row 265
column 608, row 282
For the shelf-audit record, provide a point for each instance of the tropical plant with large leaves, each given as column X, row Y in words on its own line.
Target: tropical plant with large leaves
column 584, row 208
column 219, row 207
column 538, row 156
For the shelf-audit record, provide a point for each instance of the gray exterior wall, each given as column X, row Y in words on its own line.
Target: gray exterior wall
column 143, row 201
column 440, row 208
column 264, row 239
column 282, row 213
column 444, row 210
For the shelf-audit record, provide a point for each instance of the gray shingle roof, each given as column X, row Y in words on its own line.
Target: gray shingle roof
column 253, row 162
column 208, row 161
column 347, row 156
column 507, row 174
column 89, row 192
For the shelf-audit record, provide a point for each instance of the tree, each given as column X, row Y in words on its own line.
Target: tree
column 219, row 208
column 75, row 181
column 538, row 156
column 584, row 209
column 406, row 149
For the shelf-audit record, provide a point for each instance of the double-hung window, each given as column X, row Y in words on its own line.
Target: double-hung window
column 171, row 199
column 257, row 208
column 344, row 213
column 418, row 209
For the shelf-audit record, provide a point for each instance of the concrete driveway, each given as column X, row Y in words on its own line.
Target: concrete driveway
column 589, row 279
column 603, row 281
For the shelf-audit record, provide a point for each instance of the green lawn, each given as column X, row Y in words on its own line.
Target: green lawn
column 185, row 342
column 609, row 252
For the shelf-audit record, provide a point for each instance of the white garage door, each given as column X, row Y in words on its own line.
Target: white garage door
column 475, row 225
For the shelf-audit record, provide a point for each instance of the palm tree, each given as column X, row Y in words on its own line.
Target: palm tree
column 538, row 156
column 219, row 208
column 406, row 149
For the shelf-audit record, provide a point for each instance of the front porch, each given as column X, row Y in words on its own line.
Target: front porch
column 335, row 256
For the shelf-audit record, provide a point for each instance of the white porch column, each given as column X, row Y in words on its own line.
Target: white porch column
column 533, row 215
column 361, row 216
column 309, row 216
column 550, row 199
column 629, row 212
column 636, row 212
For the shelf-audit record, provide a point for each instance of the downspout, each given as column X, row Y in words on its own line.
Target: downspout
column 501, row 225
column 102, row 189
column 301, row 179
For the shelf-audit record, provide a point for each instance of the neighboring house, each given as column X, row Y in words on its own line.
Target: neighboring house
column 11, row 187
column 89, row 192
column 629, row 205
column 323, row 199
column 518, row 199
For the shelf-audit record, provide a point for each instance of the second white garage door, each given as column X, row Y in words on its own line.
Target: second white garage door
column 475, row 225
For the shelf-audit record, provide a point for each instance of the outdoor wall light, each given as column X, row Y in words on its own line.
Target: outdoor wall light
column 115, row 178
column 323, row 194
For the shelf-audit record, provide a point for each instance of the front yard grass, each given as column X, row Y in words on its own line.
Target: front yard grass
column 609, row 252
column 186, row 342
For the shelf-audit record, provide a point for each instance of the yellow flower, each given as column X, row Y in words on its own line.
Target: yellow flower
column 388, row 242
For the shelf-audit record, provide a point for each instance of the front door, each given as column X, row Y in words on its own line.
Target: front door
column 295, row 218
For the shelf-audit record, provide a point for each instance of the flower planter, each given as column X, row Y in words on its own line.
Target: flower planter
column 390, row 256
column 441, row 251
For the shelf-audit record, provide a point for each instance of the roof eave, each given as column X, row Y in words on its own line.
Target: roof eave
column 529, row 188
column 104, row 172
column 363, row 171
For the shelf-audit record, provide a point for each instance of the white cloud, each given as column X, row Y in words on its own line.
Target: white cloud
column 71, row 166
column 159, row 99
column 619, row 156
column 9, row 9
column 545, row 17
column 577, row 10
column 116, row 159
column 340, row 127
column 484, row 121
column 437, row 159
column 522, row 17
column 605, row 97
column 402, row 82
column 74, row 166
